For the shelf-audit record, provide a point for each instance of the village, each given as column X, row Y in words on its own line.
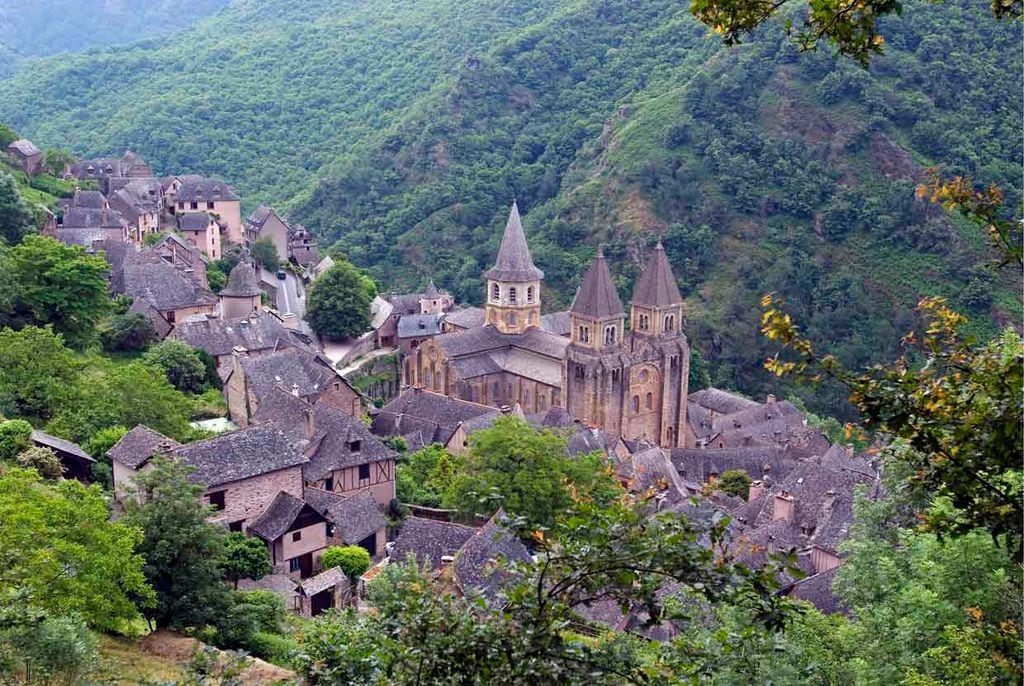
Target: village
column 306, row 460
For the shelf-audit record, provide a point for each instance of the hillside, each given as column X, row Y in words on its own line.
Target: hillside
column 402, row 131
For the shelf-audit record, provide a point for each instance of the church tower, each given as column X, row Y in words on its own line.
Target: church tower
column 657, row 306
column 513, row 283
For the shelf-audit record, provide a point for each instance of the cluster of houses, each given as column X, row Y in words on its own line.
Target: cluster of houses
column 307, row 462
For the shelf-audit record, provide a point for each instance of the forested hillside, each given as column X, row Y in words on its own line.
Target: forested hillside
column 403, row 131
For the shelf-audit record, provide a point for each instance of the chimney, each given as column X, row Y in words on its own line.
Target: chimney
column 783, row 507
column 237, row 353
column 447, row 561
column 310, row 424
column 756, row 490
column 770, row 399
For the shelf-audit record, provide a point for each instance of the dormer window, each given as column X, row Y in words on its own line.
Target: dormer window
column 354, row 446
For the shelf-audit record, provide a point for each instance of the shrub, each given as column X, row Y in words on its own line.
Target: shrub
column 41, row 459
column 180, row 363
column 129, row 331
column 735, row 482
column 14, row 438
column 275, row 648
column 352, row 559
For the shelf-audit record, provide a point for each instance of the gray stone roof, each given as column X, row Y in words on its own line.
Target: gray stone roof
column 487, row 338
column 431, row 292
column 60, row 445
column 817, row 590
column 201, row 189
column 193, row 221
column 93, row 200
column 340, row 441
column 146, row 275
column 721, row 402
column 25, row 147
column 241, row 454
column 514, row 262
column 759, row 462
column 467, row 317
column 323, row 581
column 259, row 217
column 657, row 286
column 419, row 325
column 597, row 297
column 482, row 562
column 429, row 540
column 286, row 410
column 160, row 323
column 91, row 218
column 651, row 471
column 289, row 368
column 278, row 517
column 140, row 444
column 558, row 323
column 256, row 333
column 429, row 417
column 97, row 167
column 587, row 440
column 354, row 517
column 242, row 282
column 84, row 237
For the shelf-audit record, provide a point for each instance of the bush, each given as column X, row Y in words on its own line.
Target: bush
column 180, row 363
column 735, row 482
column 14, row 438
column 249, row 613
column 275, row 648
column 41, row 459
column 129, row 331
column 352, row 559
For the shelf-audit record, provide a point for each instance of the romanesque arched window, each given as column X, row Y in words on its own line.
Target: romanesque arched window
column 512, row 294
column 584, row 334
column 495, row 292
column 643, row 322
column 636, row 404
column 648, row 401
column 670, row 323
column 529, row 294
column 609, row 335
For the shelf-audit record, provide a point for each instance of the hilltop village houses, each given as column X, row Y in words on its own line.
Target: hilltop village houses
column 307, row 461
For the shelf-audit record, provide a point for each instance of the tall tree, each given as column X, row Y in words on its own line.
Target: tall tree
column 60, row 285
column 180, row 363
column 183, row 552
column 59, row 542
column 15, row 216
column 339, row 302
column 38, row 374
column 245, row 557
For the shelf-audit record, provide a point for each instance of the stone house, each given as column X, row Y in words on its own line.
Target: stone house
column 105, row 169
column 241, row 296
column 308, row 375
column 76, row 462
column 259, row 333
column 190, row 193
column 139, row 202
column 172, row 291
column 201, row 230
column 87, row 217
column 25, row 156
column 422, row 418
column 293, row 241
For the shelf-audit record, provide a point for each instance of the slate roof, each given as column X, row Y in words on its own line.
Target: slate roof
column 651, row 471
column 322, row 581
column 431, row 292
column 160, row 323
column 84, row 237
column 354, row 517
column 256, row 333
column 194, row 221
column 380, row 311
column 148, row 276
column 558, row 323
column 259, row 217
column 286, row 410
column 86, row 199
column 758, row 461
column 817, row 590
column 429, row 540
column 423, row 417
column 405, row 303
column 97, row 167
column 331, row 448
column 25, row 147
column 721, row 402
column 241, row 454
column 91, row 218
column 278, row 517
column 202, row 189
column 242, row 282
column 483, row 560
column 534, row 343
column 60, row 445
column 587, row 440
column 419, row 325
column 657, row 286
column 288, row 368
column 514, row 262
column 138, row 445
column 597, row 297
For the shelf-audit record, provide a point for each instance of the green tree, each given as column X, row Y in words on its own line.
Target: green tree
column 265, row 253
column 352, row 559
column 180, row 362
column 38, row 375
column 7, row 135
column 41, row 459
column 735, row 482
column 128, row 332
column 60, row 543
column 245, row 557
column 40, row 647
column 183, row 552
column 60, row 285
column 216, row 280
column 338, row 303
column 424, row 477
column 16, row 220
column 57, row 161
column 14, row 438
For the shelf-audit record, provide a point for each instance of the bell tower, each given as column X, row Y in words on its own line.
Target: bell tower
column 513, row 283
column 656, row 306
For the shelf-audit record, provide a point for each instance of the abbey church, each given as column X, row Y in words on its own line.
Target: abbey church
column 630, row 383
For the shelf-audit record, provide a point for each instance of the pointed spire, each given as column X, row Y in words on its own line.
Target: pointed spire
column 597, row 296
column 514, row 261
column 656, row 286
column 431, row 291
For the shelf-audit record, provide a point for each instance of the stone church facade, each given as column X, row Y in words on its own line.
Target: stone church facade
column 630, row 382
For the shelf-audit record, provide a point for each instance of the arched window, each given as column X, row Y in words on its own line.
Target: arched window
column 529, row 294
column 648, row 401
column 642, row 322
column 584, row 334
column 609, row 334
column 636, row 404
column 512, row 294
column 495, row 292
column 670, row 323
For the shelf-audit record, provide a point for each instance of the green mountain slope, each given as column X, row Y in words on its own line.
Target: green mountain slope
column 403, row 130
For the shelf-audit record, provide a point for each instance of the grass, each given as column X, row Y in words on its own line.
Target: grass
column 122, row 662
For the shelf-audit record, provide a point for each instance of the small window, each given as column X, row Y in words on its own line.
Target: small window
column 364, row 471
column 636, row 404
column 609, row 335
column 329, row 529
column 674, row 361
column 495, row 390
column 193, row 205
column 236, row 526
column 529, row 294
column 296, row 536
column 209, row 205
column 543, row 400
column 294, row 565
column 495, row 292
column 615, row 376
column 648, row 401
column 512, row 295
column 355, row 446
column 584, row 334
column 581, row 371
column 217, row 500
column 329, row 483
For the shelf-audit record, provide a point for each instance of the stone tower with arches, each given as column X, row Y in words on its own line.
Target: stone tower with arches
column 513, row 283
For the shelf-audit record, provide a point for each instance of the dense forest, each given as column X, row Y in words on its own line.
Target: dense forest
column 402, row 132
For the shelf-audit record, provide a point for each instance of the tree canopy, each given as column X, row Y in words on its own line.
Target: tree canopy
column 339, row 302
